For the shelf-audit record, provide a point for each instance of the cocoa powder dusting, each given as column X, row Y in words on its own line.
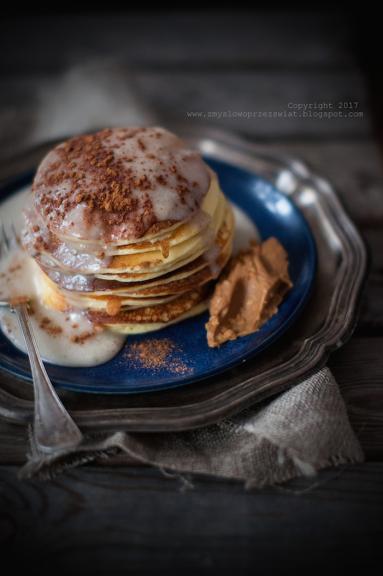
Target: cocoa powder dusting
column 17, row 300
column 81, row 338
column 49, row 327
column 157, row 354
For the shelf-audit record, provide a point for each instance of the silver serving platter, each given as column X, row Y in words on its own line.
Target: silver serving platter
column 326, row 324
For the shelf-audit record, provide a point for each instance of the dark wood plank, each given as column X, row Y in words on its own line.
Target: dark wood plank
column 36, row 108
column 371, row 310
column 176, row 38
column 136, row 520
column 358, row 369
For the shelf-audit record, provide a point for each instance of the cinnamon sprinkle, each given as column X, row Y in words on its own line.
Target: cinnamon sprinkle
column 81, row 338
column 156, row 354
column 17, row 300
column 47, row 325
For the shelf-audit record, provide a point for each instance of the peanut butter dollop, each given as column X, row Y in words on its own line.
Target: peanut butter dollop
column 250, row 293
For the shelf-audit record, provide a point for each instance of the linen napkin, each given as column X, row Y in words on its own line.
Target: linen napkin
column 298, row 433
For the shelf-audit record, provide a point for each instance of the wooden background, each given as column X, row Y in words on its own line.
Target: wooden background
column 67, row 73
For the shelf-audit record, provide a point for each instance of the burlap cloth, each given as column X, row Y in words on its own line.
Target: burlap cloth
column 298, row 433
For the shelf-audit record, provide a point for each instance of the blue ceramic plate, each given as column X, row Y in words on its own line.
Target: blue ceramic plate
column 273, row 215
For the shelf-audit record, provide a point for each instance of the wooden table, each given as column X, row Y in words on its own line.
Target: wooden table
column 134, row 519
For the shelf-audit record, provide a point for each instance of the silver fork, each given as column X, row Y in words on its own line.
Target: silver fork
column 53, row 429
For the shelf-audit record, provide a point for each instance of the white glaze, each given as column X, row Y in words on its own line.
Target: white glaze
column 18, row 277
column 154, row 154
column 74, row 224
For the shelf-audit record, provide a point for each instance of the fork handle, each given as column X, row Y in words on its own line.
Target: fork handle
column 54, row 429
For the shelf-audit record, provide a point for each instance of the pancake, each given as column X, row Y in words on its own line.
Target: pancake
column 131, row 328
column 144, row 293
column 186, row 304
column 128, row 226
column 90, row 283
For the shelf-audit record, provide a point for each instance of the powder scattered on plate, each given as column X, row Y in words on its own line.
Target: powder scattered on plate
column 156, row 354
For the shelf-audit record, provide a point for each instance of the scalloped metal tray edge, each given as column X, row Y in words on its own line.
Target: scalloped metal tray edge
column 341, row 255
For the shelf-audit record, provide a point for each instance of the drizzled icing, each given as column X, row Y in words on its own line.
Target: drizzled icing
column 43, row 245
column 119, row 183
column 65, row 338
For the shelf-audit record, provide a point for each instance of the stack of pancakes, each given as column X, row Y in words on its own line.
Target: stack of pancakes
column 129, row 226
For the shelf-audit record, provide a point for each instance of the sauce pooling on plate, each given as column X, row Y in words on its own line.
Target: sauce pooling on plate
column 64, row 338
